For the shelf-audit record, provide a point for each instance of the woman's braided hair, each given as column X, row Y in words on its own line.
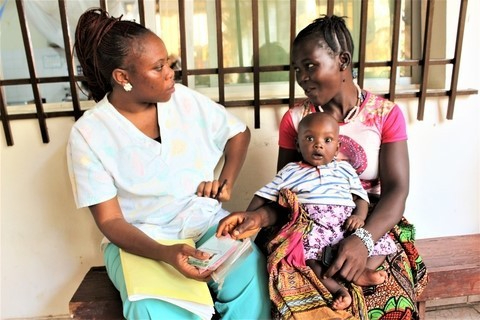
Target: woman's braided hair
column 331, row 30
column 101, row 44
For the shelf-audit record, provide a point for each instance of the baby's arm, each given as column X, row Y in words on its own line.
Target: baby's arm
column 256, row 203
column 359, row 214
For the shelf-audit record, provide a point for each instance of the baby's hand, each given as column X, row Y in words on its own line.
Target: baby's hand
column 353, row 223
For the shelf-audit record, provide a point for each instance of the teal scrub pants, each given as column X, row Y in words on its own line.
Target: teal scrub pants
column 244, row 294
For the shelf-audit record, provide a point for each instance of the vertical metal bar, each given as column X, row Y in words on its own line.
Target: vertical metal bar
column 183, row 41
column 416, row 21
column 69, row 57
column 141, row 11
column 458, row 53
column 238, row 25
column 395, row 44
column 256, row 64
column 330, row 6
column 266, row 21
column 362, row 43
column 103, row 4
column 5, row 119
column 31, row 68
column 426, row 58
column 293, row 33
column 221, row 71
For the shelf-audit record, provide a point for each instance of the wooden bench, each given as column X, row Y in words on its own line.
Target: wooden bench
column 453, row 265
column 96, row 298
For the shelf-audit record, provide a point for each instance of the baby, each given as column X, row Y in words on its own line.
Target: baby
column 332, row 195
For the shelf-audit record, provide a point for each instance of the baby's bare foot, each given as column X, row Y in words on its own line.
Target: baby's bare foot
column 371, row 278
column 341, row 299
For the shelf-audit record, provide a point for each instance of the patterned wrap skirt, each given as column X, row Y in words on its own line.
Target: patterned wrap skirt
column 296, row 293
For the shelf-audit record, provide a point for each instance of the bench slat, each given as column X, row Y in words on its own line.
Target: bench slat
column 96, row 298
column 453, row 265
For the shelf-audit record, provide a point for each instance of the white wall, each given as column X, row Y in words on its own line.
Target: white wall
column 47, row 245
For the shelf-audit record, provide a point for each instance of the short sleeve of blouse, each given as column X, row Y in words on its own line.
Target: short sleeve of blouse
column 220, row 124
column 91, row 183
column 394, row 127
column 287, row 132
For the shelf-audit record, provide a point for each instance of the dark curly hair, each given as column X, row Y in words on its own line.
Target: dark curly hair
column 101, row 44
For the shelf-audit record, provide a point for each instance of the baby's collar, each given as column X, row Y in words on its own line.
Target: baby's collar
column 304, row 164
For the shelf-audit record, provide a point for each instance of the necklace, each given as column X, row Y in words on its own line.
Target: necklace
column 352, row 114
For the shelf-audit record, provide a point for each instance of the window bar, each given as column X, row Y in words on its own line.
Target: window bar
column 426, row 58
column 256, row 65
column 362, row 43
column 141, row 11
column 183, row 42
column 31, row 68
column 238, row 26
column 458, row 52
column 293, row 33
column 221, row 68
column 5, row 119
column 69, row 57
column 265, row 20
column 395, row 44
column 330, row 6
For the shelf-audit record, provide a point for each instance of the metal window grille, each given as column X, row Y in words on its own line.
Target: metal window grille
column 425, row 62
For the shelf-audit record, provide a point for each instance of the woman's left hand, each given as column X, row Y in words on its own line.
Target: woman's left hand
column 350, row 261
column 177, row 255
column 214, row 189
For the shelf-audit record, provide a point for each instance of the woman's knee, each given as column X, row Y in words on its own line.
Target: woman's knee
column 245, row 285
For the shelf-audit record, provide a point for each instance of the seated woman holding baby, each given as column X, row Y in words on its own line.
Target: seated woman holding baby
column 373, row 140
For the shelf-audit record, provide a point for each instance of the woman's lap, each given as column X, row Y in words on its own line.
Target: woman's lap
column 142, row 309
column 244, row 293
column 407, row 277
column 395, row 297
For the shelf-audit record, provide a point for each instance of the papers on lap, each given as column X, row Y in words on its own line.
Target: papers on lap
column 146, row 278
column 220, row 249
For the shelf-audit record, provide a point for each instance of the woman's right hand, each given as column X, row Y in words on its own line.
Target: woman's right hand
column 240, row 225
column 177, row 256
column 350, row 261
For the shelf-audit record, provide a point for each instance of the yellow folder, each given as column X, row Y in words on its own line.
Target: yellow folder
column 146, row 278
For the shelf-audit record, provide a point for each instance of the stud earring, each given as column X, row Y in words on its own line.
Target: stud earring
column 127, row 87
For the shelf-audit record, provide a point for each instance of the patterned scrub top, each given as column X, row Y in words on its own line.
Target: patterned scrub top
column 155, row 182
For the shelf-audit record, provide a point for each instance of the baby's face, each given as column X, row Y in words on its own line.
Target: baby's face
column 318, row 141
